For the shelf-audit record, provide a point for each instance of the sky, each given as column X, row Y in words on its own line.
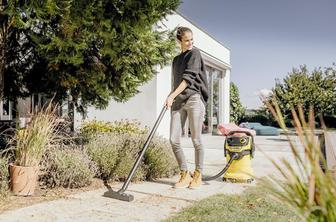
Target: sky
column 267, row 38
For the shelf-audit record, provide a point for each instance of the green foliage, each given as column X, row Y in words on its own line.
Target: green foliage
column 127, row 153
column 237, row 110
column 103, row 149
column 90, row 129
column 115, row 152
column 159, row 160
column 17, row 55
column 330, row 121
column 4, row 178
column 67, row 167
column 308, row 89
column 92, row 50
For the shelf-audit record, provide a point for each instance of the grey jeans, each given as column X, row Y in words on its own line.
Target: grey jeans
column 194, row 109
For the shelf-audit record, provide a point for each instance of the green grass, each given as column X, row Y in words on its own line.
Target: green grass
column 254, row 204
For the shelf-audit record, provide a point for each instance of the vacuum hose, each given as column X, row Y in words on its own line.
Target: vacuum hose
column 232, row 158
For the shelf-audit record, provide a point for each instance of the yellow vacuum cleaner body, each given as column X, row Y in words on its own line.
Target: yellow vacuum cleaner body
column 242, row 147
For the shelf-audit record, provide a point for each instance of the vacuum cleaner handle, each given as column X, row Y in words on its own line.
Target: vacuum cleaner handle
column 239, row 131
column 138, row 161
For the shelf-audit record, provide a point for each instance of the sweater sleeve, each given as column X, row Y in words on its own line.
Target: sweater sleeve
column 192, row 68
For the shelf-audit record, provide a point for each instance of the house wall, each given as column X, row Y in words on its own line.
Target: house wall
column 163, row 88
column 140, row 107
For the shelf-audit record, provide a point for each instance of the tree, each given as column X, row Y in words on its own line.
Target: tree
column 316, row 89
column 237, row 110
column 93, row 50
column 15, row 50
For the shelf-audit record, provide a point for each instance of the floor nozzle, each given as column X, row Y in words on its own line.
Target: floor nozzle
column 119, row 195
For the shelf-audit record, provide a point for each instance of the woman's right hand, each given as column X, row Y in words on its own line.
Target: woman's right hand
column 169, row 101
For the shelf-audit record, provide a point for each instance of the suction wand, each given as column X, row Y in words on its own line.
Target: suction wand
column 120, row 194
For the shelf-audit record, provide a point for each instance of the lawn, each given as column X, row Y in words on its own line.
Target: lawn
column 254, row 204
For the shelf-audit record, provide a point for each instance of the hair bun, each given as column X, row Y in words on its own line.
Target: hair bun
column 180, row 32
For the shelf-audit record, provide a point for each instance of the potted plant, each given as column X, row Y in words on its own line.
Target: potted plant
column 30, row 144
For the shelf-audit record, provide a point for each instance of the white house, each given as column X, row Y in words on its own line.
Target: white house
column 146, row 106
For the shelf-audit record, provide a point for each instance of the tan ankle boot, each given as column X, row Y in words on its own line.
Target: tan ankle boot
column 184, row 180
column 196, row 181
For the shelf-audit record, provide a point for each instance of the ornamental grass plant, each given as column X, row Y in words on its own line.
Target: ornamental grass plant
column 31, row 142
column 307, row 188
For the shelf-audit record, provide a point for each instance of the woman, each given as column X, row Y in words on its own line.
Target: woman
column 188, row 99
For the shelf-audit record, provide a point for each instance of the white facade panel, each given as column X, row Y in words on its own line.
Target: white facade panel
column 163, row 89
column 141, row 107
column 226, row 97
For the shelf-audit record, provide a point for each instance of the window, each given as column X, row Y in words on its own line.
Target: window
column 5, row 110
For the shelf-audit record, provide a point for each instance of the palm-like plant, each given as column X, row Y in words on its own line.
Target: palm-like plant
column 306, row 188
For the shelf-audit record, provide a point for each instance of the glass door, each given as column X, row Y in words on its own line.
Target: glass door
column 212, row 110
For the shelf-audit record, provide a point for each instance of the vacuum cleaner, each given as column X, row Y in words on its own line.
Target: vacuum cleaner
column 243, row 148
column 239, row 151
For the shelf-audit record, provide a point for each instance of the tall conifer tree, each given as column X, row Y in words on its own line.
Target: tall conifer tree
column 93, row 50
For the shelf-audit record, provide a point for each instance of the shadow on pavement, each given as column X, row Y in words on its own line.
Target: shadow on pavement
column 163, row 182
column 277, row 139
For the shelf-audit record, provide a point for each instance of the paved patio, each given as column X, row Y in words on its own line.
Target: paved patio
column 157, row 200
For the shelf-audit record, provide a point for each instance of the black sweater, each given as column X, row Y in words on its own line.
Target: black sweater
column 189, row 66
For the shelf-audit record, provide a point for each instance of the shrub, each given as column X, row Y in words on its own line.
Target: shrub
column 237, row 110
column 67, row 167
column 115, row 154
column 91, row 128
column 159, row 159
column 302, row 87
column 4, row 178
column 7, row 131
column 103, row 150
column 330, row 121
column 128, row 152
